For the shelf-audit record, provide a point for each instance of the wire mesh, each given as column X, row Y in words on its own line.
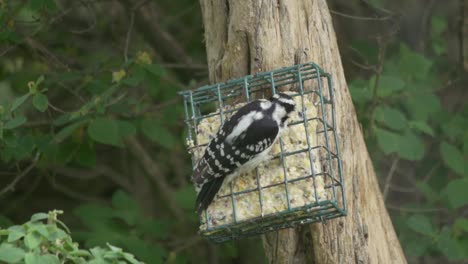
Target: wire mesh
column 308, row 82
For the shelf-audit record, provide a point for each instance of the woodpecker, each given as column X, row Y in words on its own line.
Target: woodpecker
column 241, row 144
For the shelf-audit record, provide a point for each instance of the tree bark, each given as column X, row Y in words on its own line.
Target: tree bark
column 249, row 36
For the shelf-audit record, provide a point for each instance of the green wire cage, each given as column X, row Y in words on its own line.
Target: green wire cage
column 303, row 183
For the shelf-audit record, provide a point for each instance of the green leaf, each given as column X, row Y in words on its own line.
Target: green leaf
column 33, row 258
column 10, row 253
column 68, row 130
column 86, row 155
column 438, row 25
column 158, row 133
column 421, row 126
column 456, row 193
column 389, row 85
column 5, row 221
column 461, row 224
column 452, row 157
column 136, row 77
column 32, row 240
column 420, row 107
column 387, row 141
column 413, row 65
column 126, row 128
column 41, row 229
column 110, row 131
column 360, row 92
column 19, row 101
column 39, row 5
column 439, row 45
column 39, row 217
column 157, row 228
column 449, row 246
column 428, row 191
column 93, row 216
column 421, row 224
column 41, row 102
column 155, row 69
column 416, row 247
column 15, row 122
column 15, row 232
column 391, row 117
column 130, row 258
column 366, row 50
column 128, row 208
column 454, row 126
column 411, row 146
column 185, row 197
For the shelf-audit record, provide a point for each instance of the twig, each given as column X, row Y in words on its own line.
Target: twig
column 20, row 176
column 93, row 23
column 402, row 189
column 69, row 192
column 381, row 9
column 147, row 20
column 8, row 49
column 185, row 66
column 381, row 59
column 364, row 67
column 96, row 172
column 36, row 45
column 431, row 172
column 153, row 170
column 415, row 210
column 426, row 23
column 463, row 46
column 187, row 243
column 129, row 34
column 389, row 177
column 360, row 17
column 58, row 109
column 15, row 204
column 71, row 91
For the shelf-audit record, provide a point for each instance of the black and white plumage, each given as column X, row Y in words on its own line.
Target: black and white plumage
column 240, row 145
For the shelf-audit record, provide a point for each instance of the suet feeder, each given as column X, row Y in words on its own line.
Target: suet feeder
column 301, row 184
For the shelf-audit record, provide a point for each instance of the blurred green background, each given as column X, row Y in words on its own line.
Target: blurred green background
column 90, row 120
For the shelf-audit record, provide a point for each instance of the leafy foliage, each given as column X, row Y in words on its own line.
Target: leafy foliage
column 407, row 121
column 79, row 82
column 46, row 240
column 124, row 225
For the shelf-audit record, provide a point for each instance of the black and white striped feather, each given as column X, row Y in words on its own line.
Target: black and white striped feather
column 240, row 145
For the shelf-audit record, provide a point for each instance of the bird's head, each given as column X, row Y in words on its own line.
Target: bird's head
column 284, row 107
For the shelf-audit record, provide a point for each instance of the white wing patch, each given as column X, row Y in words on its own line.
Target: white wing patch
column 279, row 113
column 265, row 105
column 287, row 101
column 244, row 123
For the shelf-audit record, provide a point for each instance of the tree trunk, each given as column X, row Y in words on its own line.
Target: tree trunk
column 249, row 36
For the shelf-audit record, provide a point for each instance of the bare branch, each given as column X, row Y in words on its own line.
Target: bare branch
column 415, row 210
column 360, row 17
column 390, row 174
column 147, row 20
column 153, row 170
column 92, row 24
column 103, row 170
column 129, row 34
column 71, row 193
column 20, row 176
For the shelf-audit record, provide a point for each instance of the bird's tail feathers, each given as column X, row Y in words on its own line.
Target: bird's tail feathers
column 208, row 193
